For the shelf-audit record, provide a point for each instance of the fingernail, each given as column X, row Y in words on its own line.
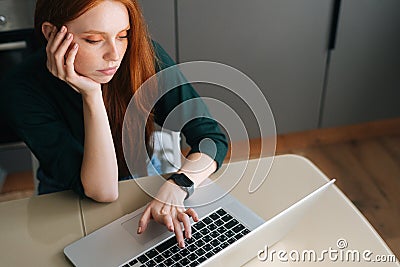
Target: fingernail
column 69, row 35
column 139, row 230
column 75, row 46
column 63, row 29
column 182, row 244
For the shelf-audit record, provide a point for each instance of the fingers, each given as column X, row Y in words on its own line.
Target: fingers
column 173, row 222
column 60, row 53
column 69, row 66
column 179, row 233
column 164, row 217
column 50, row 59
column 52, row 35
column 192, row 213
column 184, row 218
column 144, row 220
column 172, row 217
column 56, row 39
column 168, row 222
column 56, row 49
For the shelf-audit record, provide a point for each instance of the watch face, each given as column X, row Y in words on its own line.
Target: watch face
column 181, row 180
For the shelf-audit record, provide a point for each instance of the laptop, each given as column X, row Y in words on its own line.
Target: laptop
column 227, row 234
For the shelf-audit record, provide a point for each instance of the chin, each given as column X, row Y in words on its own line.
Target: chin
column 102, row 80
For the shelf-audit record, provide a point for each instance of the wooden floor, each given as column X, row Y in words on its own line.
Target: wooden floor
column 365, row 160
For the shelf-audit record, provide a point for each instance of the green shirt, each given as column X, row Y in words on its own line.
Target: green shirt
column 47, row 114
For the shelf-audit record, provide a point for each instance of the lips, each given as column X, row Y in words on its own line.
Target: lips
column 109, row 71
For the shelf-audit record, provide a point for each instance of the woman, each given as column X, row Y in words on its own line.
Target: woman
column 68, row 101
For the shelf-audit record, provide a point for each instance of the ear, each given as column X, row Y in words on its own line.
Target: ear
column 47, row 28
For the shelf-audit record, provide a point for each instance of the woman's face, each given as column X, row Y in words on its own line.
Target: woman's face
column 102, row 36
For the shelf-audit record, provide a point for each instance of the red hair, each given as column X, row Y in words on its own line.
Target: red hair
column 136, row 67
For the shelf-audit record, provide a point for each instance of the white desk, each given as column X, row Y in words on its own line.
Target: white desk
column 290, row 179
column 35, row 231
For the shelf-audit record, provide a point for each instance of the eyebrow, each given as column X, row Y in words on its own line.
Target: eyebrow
column 100, row 32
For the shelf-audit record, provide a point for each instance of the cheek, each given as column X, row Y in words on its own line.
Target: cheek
column 84, row 61
column 122, row 49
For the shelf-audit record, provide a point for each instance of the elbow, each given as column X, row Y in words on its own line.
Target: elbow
column 103, row 189
column 103, row 197
column 106, row 195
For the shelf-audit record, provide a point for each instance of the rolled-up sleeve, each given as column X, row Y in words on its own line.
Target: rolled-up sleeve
column 190, row 115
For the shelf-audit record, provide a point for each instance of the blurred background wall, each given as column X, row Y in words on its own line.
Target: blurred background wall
column 319, row 63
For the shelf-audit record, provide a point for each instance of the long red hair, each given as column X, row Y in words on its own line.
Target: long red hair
column 136, row 67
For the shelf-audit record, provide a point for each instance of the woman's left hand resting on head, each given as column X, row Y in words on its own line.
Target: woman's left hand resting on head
column 61, row 53
column 167, row 207
column 99, row 169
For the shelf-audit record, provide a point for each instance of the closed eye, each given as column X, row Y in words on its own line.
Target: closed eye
column 124, row 34
column 92, row 41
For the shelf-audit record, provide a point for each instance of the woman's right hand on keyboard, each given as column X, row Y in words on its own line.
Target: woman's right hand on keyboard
column 167, row 208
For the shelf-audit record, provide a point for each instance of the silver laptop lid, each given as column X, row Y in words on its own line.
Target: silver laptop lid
column 268, row 233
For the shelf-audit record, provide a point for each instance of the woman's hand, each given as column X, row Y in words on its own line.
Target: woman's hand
column 167, row 208
column 61, row 53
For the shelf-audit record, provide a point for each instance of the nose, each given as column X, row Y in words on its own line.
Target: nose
column 112, row 53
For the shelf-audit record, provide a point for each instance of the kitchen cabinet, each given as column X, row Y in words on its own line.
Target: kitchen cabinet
column 363, row 81
column 160, row 17
column 280, row 44
column 283, row 46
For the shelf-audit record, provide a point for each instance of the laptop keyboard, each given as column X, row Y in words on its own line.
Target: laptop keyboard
column 209, row 236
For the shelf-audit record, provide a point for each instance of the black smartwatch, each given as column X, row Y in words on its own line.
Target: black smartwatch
column 183, row 182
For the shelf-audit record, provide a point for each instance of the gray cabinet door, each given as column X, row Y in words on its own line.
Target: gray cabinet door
column 364, row 74
column 280, row 44
column 160, row 18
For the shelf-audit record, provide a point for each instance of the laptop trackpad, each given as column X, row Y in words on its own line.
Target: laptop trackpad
column 153, row 229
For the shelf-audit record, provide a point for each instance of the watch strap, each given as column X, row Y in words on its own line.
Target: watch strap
column 184, row 183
